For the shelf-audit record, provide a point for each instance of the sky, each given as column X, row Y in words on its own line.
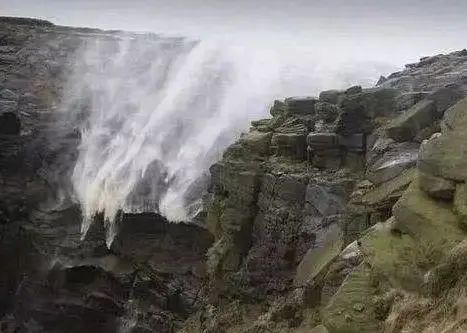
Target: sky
column 392, row 31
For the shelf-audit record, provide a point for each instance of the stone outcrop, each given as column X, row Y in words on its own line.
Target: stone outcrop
column 334, row 235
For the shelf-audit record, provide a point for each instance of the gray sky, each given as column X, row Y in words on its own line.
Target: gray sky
column 395, row 31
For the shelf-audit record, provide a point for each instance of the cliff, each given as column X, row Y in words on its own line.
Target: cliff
column 344, row 212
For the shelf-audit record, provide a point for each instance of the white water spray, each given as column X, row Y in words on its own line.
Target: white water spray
column 156, row 112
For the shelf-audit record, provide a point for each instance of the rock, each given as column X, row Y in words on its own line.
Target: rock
column 262, row 125
column 318, row 329
column 446, row 97
column 445, row 156
column 7, row 59
column 257, row 142
column 326, row 199
column 8, row 106
column 321, row 141
column 354, row 143
column 455, row 117
column 353, row 90
column 386, row 194
column 360, row 110
column 460, row 204
column 356, row 288
column 436, row 187
column 426, row 220
column 381, row 80
column 9, row 120
column 316, row 261
column 326, row 111
column 326, row 158
column 428, row 76
column 393, row 162
column 301, row 105
column 359, row 307
column 289, row 145
column 407, row 100
column 427, row 132
column 7, row 94
column 279, row 108
column 406, row 126
column 331, row 96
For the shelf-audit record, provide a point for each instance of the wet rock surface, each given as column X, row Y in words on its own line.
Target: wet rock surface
column 51, row 280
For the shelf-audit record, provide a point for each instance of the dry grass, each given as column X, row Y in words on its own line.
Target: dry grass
column 444, row 310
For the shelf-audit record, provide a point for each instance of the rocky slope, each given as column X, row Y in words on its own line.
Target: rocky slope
column 341, row 213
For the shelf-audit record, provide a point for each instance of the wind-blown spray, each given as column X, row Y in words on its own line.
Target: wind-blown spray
column 156, row 112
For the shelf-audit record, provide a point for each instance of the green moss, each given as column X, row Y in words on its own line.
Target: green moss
column 316, row 261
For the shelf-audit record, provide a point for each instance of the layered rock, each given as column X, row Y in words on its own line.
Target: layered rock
column 338, row 235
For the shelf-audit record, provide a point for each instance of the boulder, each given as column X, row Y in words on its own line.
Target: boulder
column 318, row 329
column 406, row 126
column 426, row 219
column 257, row 142
column 436, row 187
column 460, row 204
column 326, row 158
column 387, row 193
column 352, row 308
column 290, row 145
column 327, row 199
column 407, row 100
column 326, row 111
column 445, row 156
column 331, row 96
column 278, row 108
column 360, row 110
column 318, row 258
column 455, row 117
column 393, row 162
column 353, row 90
column 301, row 105
column 353, row 143
column 446, row 97
column 9, row 95
column 320, row 141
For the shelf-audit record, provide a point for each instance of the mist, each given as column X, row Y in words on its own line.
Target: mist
column 160, row 110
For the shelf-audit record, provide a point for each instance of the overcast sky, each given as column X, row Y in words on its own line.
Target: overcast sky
column 395, row 31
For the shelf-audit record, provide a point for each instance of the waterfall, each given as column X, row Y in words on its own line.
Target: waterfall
column 154, row 114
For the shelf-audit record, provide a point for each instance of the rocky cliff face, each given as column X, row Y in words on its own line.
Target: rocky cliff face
column 344, row 212
column 51, row 280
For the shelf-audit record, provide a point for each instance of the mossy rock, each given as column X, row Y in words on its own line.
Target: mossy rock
column 460, row 204
column 256, row 142
column 436, row 187
column 351, row 309
column 316, row 261
column 455, row 117
column 407, row 125
column 386, row 194
column 425, row 219
column 446, row 155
